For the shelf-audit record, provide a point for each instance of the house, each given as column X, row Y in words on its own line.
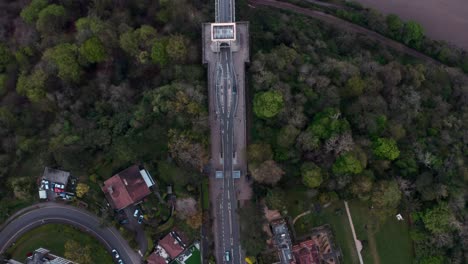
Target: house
column 168, row 248
column 282, row 240
column 42, row 256
column 128, row 187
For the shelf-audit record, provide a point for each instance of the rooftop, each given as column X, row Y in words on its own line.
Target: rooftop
column 127, row 187
column 56, row 176
column 282, row 240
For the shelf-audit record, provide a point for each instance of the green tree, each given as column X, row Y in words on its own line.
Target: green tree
column 328, row 123
column 158, row 53
column 268, row 104
column 259, row 152
column 276, row 199
column 354, row 87
column 386, row 195
column 311, row 175
column 413, row 34
column 31, row 12
column 2, row 84
column 5, row 57
column 432, row 260
column 65, row 58
column 395, row 26
column 32, row 86
column 176, row 48
column 287, row 136
column 385, row 148
column 51, row 19
column 347, row 163
column 93, row 50
column 439, row 219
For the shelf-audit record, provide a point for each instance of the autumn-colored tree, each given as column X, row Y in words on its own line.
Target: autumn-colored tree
column 268, row 172
column 196, row 220
column 184, row 148
column 81, row 189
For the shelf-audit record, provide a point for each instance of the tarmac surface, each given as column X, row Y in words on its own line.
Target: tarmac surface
column 50, row 212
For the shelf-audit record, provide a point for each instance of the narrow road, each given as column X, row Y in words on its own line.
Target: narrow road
column 343, row 24
column 51, row 212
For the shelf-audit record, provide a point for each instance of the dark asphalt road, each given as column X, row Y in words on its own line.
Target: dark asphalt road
column 228, row 224
column 59, row 213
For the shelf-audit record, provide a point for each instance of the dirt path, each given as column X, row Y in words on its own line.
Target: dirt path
column 340, row 23
column 373, row 246
column 356, row 241
column 442, row 19
column 301, row 215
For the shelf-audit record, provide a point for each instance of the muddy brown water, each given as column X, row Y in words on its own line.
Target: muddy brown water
column 442, row 19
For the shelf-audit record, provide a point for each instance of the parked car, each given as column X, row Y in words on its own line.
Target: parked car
column 135, row 214
column 121, row 261
column 115, row 253
column 123, row 222
column 140, row 219
column 227, row 256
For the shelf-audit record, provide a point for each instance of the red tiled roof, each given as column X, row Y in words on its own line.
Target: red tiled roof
column 306, row 253
column 155, row 259
column 170, row 244
column 125, row 188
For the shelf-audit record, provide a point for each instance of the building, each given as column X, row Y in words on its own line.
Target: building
column 53, row 183
column 282, row 240
column 43, row 256
column 128, row 187
column 168, row 248
column 306, row 252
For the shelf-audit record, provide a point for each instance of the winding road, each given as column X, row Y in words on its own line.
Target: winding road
column 50, row 212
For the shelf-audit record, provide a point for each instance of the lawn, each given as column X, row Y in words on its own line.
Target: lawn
column 387, row 242
column 335, row 216
column 193, row 255
column 53, row 237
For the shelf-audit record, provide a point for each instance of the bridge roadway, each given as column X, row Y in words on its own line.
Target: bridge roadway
column 228, row 222
column 45, row 213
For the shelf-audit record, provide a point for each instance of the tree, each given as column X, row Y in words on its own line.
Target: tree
column 77, row 252
column 287, row 136
column 65, row 58
column 158, row 53
column 347, row 163
column 2, row 84
column 386, row 195
column 362, row 185
column 439, row 219
column 184, row 148
column 328, row 123
column 413, row 34
column 196, row 220
column 311, row 175
column 5, row 57
column 385, row 148
column 81, row 189
column 252, row 235
column 176, row 48
column 51, row 19
column 432, row 260
column 259, row 152
column 93, row 50
column 276, row 199
column 395, row 26
column 32, row 86
column 267, row 104
column 354, row 87
column 31, row 12
column 268, row 172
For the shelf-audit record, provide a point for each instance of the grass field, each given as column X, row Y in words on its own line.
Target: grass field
column 335, row 216
column 53, row 237
column 387, row 242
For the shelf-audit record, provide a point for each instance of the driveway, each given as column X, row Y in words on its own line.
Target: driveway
column 50, row 212
column 133, row 225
